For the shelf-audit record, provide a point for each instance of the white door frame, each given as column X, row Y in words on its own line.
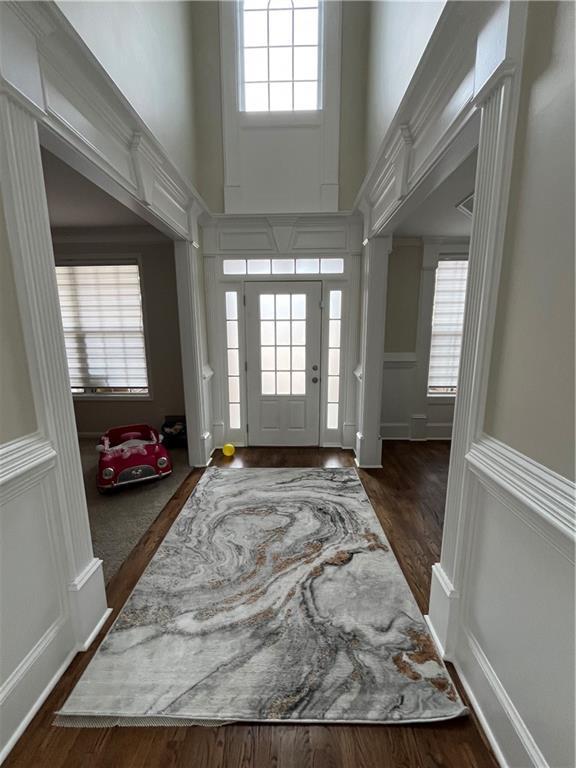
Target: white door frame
column 217, row 283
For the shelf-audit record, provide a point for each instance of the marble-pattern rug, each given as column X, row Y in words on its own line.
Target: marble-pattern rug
column 275, row 596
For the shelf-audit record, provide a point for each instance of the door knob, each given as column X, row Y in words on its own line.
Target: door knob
column 314, row 367
column 315, row 379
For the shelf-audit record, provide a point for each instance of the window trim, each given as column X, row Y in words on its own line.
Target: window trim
column 103, row 260
column 278, row 118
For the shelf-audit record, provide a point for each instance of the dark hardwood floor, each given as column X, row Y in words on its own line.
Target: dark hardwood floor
column 408, row 496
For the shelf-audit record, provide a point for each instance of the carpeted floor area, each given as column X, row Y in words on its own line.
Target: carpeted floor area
column 118, row 520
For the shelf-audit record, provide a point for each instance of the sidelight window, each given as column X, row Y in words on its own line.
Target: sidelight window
column 233, row 359
column 334, row 343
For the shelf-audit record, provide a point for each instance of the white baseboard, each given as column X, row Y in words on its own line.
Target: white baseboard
column 405, row 431
column 441, row 616
column 90, row 639
column 508, row 734
column 27, row 719
column 88, row 607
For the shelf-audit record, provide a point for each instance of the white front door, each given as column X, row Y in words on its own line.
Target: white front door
column 283, row 329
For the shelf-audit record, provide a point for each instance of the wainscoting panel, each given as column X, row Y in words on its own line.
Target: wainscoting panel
column 526, row 613
column 37, row 636
column 404, row 416
column 509, row 625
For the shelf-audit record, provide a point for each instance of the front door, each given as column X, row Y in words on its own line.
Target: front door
column 283, row 328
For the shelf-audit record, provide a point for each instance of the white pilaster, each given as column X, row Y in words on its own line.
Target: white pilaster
column 35, row 276
column 499, row 106
column 195, row 369
column 373, row 319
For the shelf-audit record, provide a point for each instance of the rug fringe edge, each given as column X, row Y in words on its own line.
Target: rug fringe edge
column 111, row 721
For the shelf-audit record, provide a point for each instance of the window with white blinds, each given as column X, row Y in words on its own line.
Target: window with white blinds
column 447, row 324
column 101, row 309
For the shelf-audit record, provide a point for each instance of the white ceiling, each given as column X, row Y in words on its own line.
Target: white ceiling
column 73, row 201
column 438, row 215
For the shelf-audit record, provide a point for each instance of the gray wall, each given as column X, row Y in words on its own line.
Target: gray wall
column 146, row 48
column 402, row 295
column 160, row 309
column 399, row 32
column 208, row 103
column 354, row 78
column 531, row 389
column 18, row 415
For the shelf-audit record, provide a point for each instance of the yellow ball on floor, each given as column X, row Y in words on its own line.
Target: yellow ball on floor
column 228, row 450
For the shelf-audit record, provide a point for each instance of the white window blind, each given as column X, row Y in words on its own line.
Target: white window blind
column 101, row 309
column 447, row 323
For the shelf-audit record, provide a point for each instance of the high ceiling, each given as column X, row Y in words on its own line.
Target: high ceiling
column 438, row 215
column 73, row 201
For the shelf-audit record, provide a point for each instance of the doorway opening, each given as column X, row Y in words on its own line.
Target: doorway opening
column 116, row 282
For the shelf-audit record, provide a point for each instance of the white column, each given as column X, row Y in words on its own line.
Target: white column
column 496, row 144
column 35, row 276
column 373, row 319
column 195, row 369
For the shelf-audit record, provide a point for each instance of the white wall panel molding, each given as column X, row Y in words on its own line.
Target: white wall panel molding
column 505, row 726
column 116, row 235
column 23, row 462
column 436, row 120
column 337, row 234
column 544, row 499
column 48, row 67
column 506, row 603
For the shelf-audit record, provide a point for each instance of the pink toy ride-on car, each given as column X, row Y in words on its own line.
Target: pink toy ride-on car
column 129, row 455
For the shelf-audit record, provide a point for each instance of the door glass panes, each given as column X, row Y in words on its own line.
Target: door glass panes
column 282, row 343
column 233, row 357
column 283, row 266
column 280, row 43
column 334, row 343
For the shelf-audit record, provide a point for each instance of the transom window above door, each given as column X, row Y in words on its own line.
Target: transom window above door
column 280, row 50
column 308, row 266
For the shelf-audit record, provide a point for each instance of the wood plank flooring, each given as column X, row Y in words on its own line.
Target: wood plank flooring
column 408, row 496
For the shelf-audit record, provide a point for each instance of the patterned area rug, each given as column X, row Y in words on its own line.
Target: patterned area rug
column 275, row 596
